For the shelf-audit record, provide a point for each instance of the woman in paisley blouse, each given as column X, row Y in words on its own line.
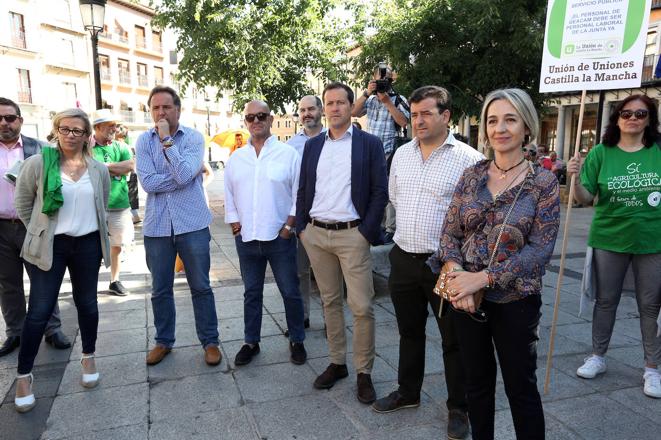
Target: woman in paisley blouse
column 510, row 309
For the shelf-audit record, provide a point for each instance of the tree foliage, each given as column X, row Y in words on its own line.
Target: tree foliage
column 265, row 49
column 468, row 46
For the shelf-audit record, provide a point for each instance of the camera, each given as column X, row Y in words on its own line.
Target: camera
column 384, row 83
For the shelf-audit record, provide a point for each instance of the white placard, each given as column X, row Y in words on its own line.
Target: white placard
column 594, row 44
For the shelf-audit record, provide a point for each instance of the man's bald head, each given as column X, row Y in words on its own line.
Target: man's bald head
column 256, row 106
column 310, row 110
column 257, row 116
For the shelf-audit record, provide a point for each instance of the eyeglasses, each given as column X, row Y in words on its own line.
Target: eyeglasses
column 64, row 131
column 261, row 116
column 639, row 114
column 9, row 118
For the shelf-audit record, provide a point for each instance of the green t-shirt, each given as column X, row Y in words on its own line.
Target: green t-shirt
column 119, row 189
column 627, row 215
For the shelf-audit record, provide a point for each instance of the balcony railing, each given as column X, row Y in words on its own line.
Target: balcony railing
column 127, row 115
column 105, row 75
column 157, row 46
column 124, row 77
column 649, row 67
column 143, row 81
column 123, row 39
column 140, row 42
column 146, row 116
column 25, row 95
column 18, row 39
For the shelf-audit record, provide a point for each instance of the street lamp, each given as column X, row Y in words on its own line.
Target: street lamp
column 294, row 117
column 93, row 12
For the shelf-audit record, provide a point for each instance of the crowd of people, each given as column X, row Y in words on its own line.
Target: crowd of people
column 471, row 236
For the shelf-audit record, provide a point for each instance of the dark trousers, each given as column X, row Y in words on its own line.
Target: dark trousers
column 82, row 256
column 133, row 191
column 511, row 328
column 411, row 285
column 12, row 295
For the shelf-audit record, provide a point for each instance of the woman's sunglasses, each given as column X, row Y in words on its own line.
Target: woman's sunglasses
column 639, row 114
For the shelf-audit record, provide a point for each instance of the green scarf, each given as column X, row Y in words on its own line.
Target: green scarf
column 53, row 199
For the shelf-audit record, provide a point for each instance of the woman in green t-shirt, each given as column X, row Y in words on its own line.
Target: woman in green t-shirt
column 623, row 173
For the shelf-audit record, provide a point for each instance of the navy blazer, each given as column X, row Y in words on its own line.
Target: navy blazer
column 369, row 185
column 31, row 146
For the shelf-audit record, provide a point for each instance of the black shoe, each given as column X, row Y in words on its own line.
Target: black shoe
column 58, row 340
column 332, row 374
column 118, row 288
column 245, row 355
column 393, row 402
column 366, row 393
column 457, row 425
column 298, row 353
column 10, row 344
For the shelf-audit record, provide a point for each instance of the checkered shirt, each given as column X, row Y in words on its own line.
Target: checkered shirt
column 421, row 191
column 380, row 123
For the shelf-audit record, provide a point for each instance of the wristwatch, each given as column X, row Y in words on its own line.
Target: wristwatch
column 167, row 141
column 290, row 229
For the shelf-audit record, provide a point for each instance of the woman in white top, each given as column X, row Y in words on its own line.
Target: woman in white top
column 61, row 196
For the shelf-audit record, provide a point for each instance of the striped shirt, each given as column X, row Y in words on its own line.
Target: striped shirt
column 172, row 178
column 380, row 122
column 421, row 191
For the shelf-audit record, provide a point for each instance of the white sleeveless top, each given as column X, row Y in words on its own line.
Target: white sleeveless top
column 77, row 216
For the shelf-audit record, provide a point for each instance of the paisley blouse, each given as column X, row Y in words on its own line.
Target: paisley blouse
column 474, row 220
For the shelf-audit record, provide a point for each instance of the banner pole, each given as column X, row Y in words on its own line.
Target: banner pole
column 565, row 234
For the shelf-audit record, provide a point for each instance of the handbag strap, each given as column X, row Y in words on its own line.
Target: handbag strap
column 502, row 228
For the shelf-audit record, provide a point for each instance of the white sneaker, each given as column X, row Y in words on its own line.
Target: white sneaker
column 593, row 365
column 652, row 386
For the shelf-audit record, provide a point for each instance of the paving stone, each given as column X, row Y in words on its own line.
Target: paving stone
column 563, row 317
column 381, row 372
column 305, row 417
column 562, row 344
column 184, row 333
column 28, row 426
column 386, row 334
column 635, row 400
column 79, row 413
column 633, row 356
column 599, row 417
column 225, row 424
column 433, row 357
column 583, row 333
column 192, row 395
column 46, row 381
column 284, row 380
column 618, row 376
column 133, row 432
column 113, row 303
column 118, row 370
column 183, row 362
column 115, row 342
column 420, row 432
column 184, row 315
column 122, row 320
column 504, row 427
column 231, row 329
column 229, row 309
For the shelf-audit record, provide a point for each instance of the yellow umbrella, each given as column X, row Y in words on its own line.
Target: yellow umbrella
column 228, row 138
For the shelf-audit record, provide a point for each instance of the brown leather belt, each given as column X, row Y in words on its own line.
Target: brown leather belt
column 336, row 226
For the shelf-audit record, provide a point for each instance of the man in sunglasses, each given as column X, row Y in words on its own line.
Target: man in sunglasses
column 341, row 197
column 261, row 180
column 16, row 147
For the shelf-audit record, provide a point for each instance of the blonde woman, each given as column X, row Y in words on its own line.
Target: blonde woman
column 61, row 197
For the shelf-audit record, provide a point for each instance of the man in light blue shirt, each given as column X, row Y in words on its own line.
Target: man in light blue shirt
column 169, row 163
column 310, row 111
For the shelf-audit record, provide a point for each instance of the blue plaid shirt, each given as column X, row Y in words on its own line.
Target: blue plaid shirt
column 172, row 179
column 379, row 121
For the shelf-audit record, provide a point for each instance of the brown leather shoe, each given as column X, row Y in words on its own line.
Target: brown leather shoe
column 212, row 355
column 366, row 393
column 157, row 354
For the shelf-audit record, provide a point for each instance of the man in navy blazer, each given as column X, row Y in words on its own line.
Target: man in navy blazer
column 14, row 146
column 341, row 197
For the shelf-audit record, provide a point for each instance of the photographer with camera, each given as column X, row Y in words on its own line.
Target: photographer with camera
column 387, row 112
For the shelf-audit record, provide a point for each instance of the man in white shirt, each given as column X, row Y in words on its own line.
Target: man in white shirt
column 422, row 179
column 310, row 111
column 261, row 181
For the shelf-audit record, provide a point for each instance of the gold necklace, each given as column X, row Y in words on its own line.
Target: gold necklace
column 503, row 172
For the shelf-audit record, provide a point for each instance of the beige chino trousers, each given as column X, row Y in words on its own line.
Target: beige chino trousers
column 334, row 254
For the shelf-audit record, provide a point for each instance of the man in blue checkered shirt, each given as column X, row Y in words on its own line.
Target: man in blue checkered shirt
column 385, row 111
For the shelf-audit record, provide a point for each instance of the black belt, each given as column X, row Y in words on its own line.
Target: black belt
column 336, row 226
column 424, row 256
column 10, row 220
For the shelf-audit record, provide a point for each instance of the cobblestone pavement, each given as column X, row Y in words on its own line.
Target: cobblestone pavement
column 183, row 398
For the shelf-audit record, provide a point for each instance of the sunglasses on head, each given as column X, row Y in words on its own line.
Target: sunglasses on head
column 639, row 114
column 529, row 150
column 9, row 118
column 261, row 116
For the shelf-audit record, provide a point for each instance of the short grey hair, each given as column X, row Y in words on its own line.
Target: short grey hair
column 73, row 113
column 523, row 105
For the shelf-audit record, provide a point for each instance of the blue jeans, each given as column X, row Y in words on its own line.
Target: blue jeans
column 281, row 255
column 82, row 256
column 193, row 248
